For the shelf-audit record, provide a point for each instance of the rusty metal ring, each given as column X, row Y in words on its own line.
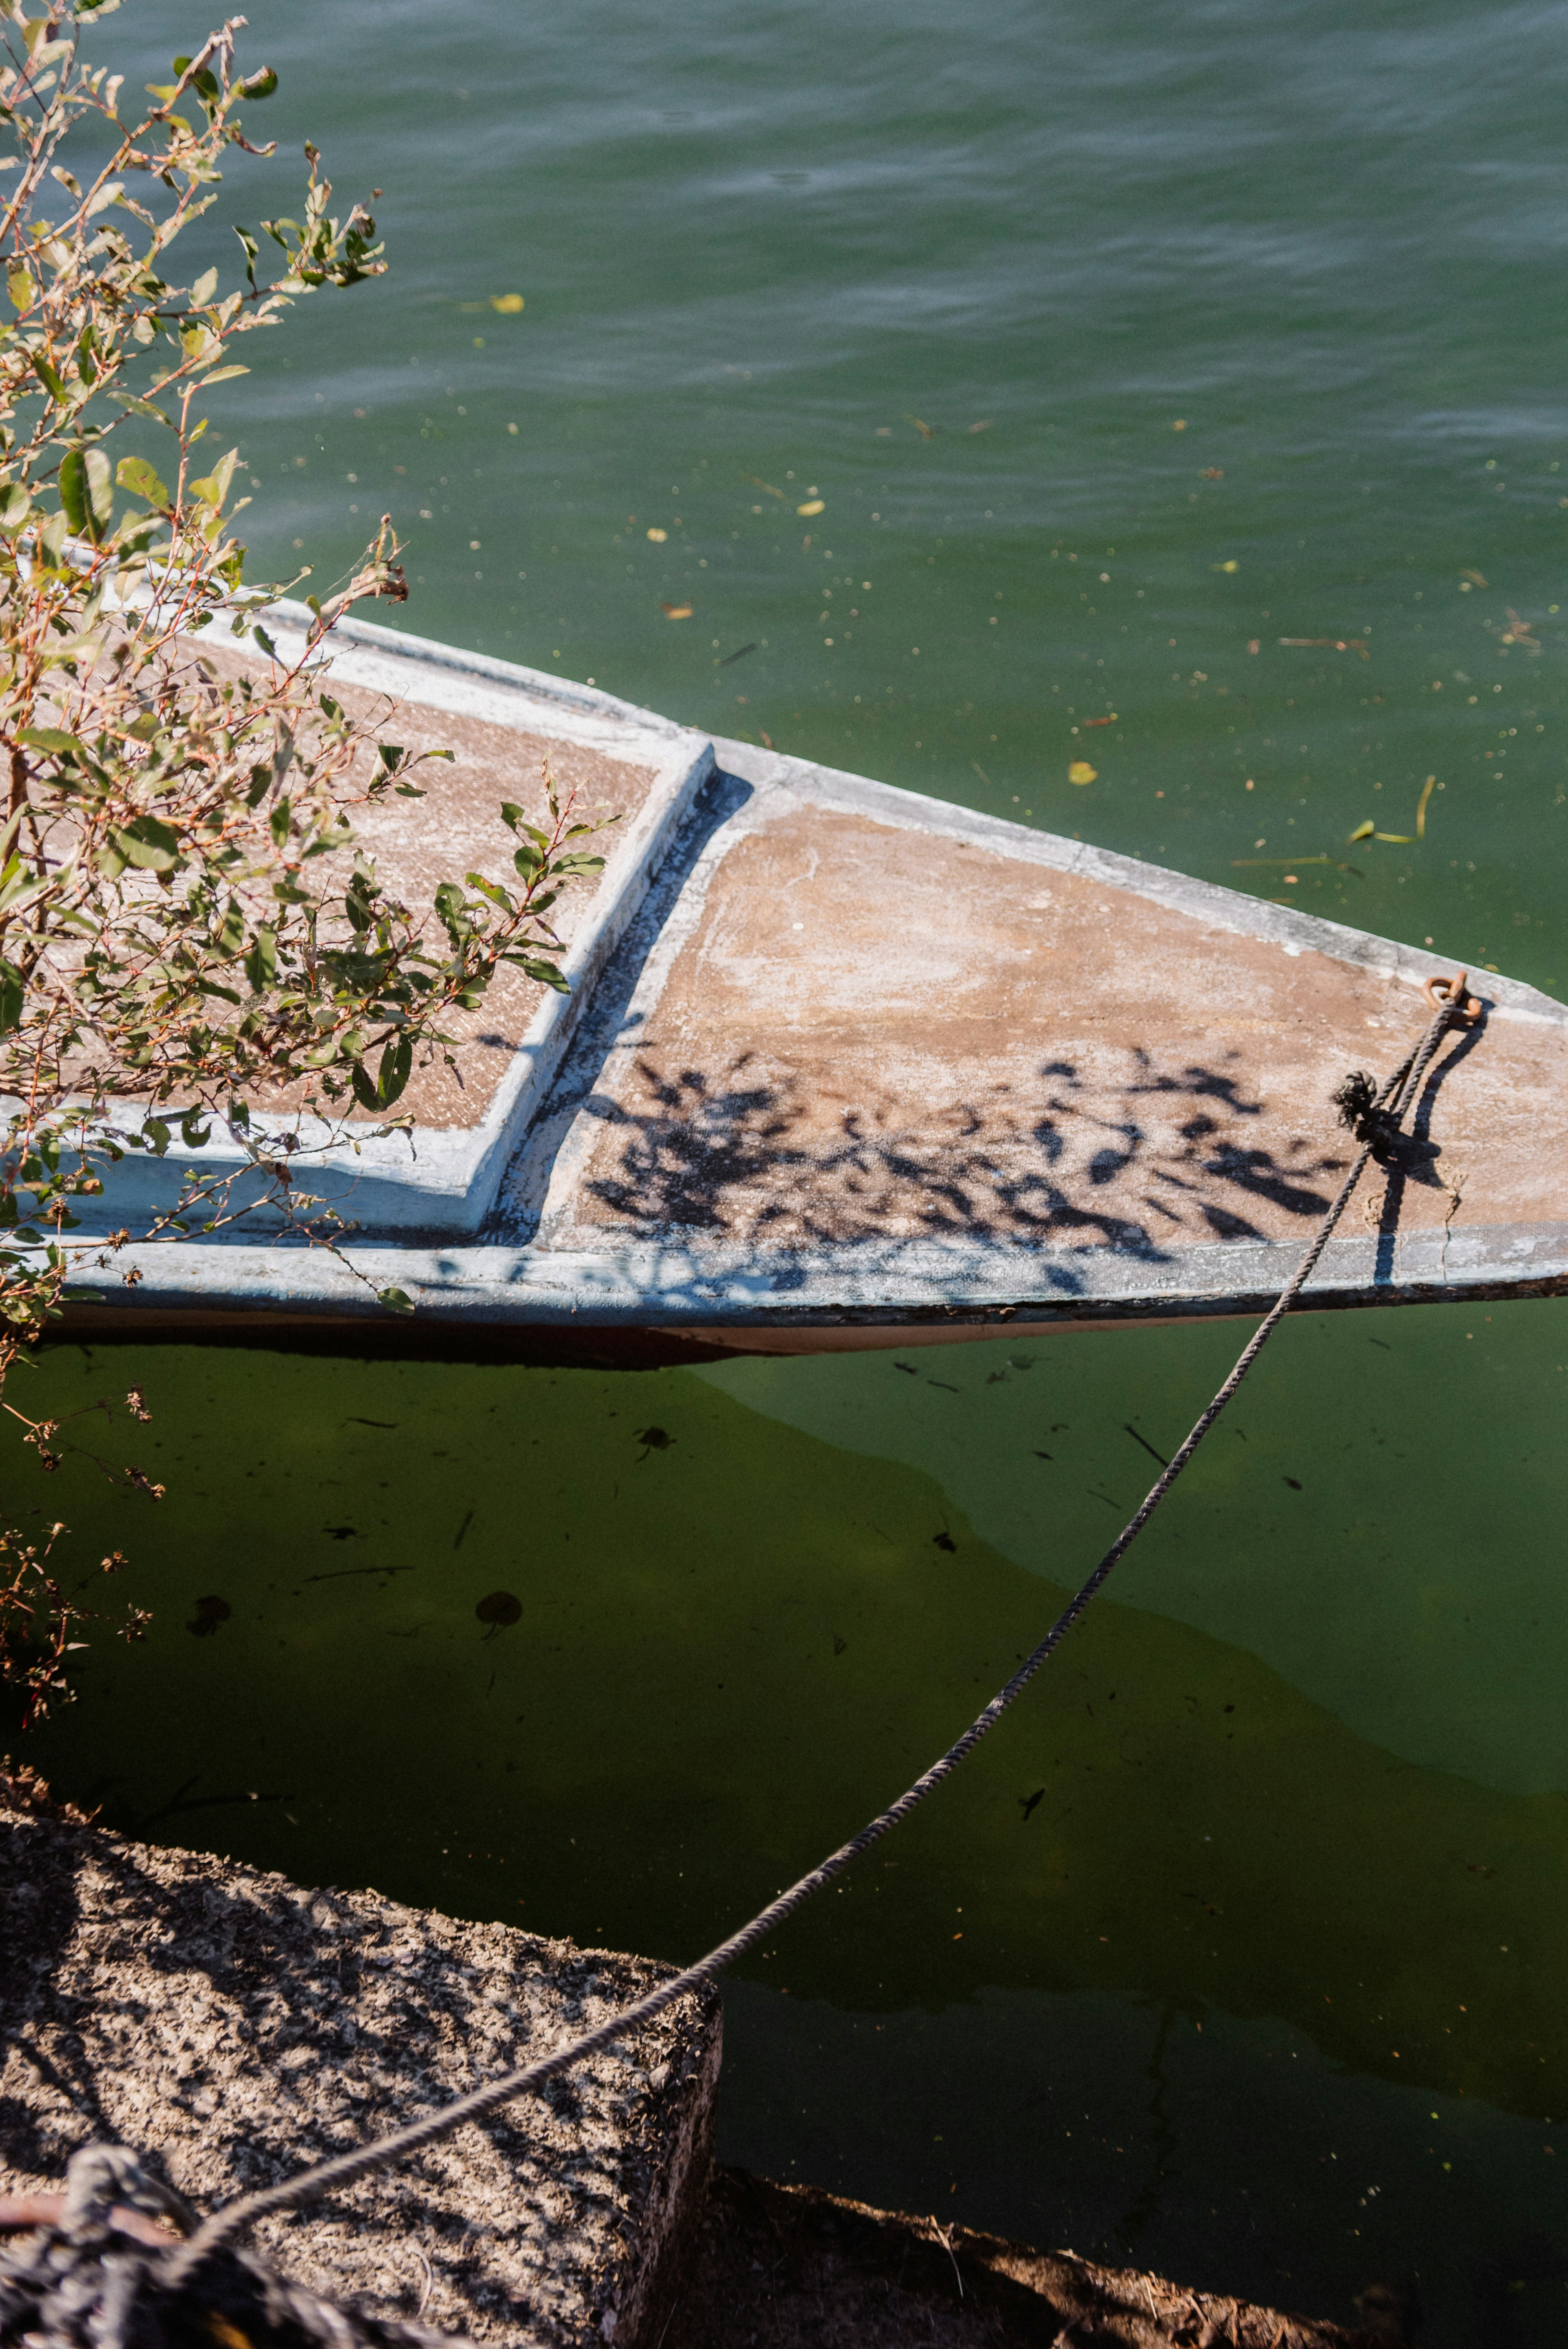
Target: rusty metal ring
column 1448, row 994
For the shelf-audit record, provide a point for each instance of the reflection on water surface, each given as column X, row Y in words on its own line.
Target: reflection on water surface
column 1185, row 1960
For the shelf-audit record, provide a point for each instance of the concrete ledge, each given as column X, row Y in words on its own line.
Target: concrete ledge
column 793, row 2268
column 233, row 2029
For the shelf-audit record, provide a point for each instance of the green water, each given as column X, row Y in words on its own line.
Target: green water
column 1236, row 1968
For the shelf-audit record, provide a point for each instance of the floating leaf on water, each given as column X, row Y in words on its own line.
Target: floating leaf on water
column 1213, row 472
column 1111, row 720
column 1364, row 830
column 1231, row 565
column 1400, row 839
column 1180, row 425
column 676, row 611
column 1081, row 772
column 509, row 304
column 209, row 1613
column 1474, row 578
column 658, row 536
column 926, row 431
column 983, row 425
column 1427, row 791
column 758, row 482
column 657, row 1439
column 811, row 506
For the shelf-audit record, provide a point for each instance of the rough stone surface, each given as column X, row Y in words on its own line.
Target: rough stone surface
column 235, row 2029
column 792, row 2268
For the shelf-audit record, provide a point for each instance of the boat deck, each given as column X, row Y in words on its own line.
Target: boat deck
column 841, row 1061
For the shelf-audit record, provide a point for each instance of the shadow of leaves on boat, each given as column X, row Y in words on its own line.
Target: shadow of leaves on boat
column 1092, row 1158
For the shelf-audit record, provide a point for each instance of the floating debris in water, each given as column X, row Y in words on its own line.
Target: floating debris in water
column 500, row 1611
column 209, row 1613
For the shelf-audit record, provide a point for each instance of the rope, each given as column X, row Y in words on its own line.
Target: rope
column 1395, row 1098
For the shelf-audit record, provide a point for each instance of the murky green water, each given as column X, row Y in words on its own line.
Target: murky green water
column 1265, row 1988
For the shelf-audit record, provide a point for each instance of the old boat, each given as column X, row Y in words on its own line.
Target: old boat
column 844, row 1066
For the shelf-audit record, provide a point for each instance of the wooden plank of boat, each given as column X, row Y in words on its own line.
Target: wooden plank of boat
column 844, row 1065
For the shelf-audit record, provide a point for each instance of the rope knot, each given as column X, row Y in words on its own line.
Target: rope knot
column 1360, row 1110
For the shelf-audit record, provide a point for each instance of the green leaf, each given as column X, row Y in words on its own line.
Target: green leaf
column 396, row 1062
column 47, row 377
column 395, row 1300
column 278, row 824
column 262, row 962
column 135, row 474
column 16, row 508
column 11, row 997
column 257, row 86
column 192, row 1133
column 86, row 493
column 149, row 844
column 497, row 895
column 213, row 487
column 544, row 973
column 74, row 489
column 271, row 649
column 220, row 374
column 48, row 738
column 158, row 1132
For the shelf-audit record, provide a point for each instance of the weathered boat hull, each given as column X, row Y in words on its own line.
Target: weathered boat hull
column 845, row 1066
